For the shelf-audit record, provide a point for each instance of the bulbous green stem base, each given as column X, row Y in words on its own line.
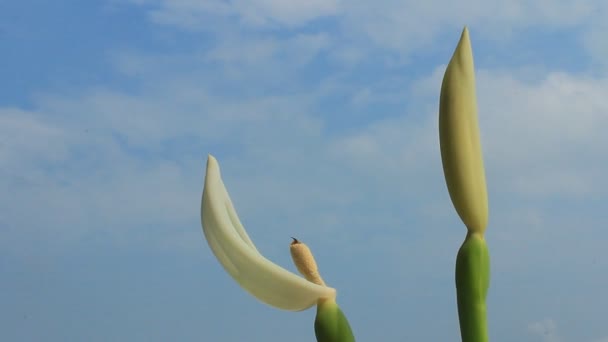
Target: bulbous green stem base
column 330, row 323
column 472, row 283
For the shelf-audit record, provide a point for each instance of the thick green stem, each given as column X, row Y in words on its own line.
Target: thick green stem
column 472, row 283
column 330, row 324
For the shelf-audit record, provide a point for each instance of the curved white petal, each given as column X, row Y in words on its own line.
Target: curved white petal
column 234, row 249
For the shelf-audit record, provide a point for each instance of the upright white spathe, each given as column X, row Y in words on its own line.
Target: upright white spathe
column 265, row 280
column 459, row 139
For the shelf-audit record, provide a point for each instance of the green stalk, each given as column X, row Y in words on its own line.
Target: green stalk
column 472, row 283
column 330, row 323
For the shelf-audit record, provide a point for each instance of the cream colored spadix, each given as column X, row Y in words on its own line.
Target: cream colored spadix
column 459, row 139
column 233, row 248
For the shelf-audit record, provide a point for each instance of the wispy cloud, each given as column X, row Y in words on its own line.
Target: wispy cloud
column 187, row 14
column 546, row 329
column 394, row 25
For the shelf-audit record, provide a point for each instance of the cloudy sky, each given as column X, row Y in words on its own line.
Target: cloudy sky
column 323, row 117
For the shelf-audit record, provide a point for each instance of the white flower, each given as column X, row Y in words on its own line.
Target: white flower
column 265, row 280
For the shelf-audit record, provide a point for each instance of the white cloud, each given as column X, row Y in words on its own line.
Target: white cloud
column 249, row 52
column 292, row 13
column 188, row 14
column 547, row 134
column 407, row 26
column 546, row 329
column 26, row 138
column 191, row 14
column 400, row 26
column 68, row 179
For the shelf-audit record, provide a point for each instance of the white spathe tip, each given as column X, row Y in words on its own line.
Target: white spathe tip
column 265, row 280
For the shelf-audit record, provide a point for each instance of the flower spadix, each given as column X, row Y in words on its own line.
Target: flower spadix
column 331, row 324
column 459, row 139
column 227, row 238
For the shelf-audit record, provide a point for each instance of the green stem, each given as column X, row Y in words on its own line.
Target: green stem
column 330, row 323
column 472, row 283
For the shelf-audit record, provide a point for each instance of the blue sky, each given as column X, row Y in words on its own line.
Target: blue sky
column 323, row 116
